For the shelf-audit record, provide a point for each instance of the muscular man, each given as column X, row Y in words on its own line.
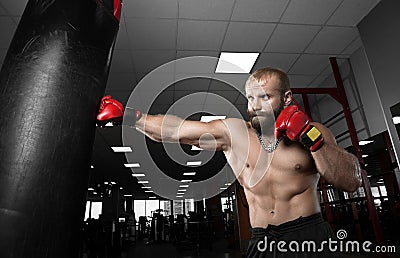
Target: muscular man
column 282, row 197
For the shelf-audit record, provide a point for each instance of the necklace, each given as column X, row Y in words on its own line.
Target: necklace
column 271, row 147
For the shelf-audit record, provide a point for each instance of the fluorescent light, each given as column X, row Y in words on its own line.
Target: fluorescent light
column 152, row 197
column 184, row 186
column 223, row 188
column 106, row 183
column 189, row 173
column 121, row 188
column 193, row 163
column 181, row 190
column 132, row 165
column 186, row 181
column 91, row 166
column 113, row 183
column 365, row 155
column 236, row 62
column 179, row 196
column 227, row 184
column 121, row 149
column 364, row 142
column 207, row 119
column 148, row 191
column 143, row 182
column 196, row 148
column 94, row 192
column 396, row 120
column 146, row 187
column 127, row 195
column 138, row 174
column 90, row 189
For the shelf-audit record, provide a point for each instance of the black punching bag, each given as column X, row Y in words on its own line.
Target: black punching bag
column 52, row 79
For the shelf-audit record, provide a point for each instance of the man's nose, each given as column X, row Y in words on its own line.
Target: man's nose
column 256, row 104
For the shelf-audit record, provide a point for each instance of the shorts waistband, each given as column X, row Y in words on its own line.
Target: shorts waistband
column 275, row 231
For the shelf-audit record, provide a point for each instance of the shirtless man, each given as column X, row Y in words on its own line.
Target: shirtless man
column 282, row 197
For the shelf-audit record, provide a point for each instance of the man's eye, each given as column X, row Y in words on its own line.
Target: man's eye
column 250, row 98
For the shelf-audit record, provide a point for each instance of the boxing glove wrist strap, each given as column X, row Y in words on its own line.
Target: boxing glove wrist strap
column 132, row 114
column 312, row 138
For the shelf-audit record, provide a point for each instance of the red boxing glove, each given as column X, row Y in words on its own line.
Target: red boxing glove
column 112, row 110
column 295, row 124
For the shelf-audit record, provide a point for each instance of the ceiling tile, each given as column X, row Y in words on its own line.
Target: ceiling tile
column 145, row 60
column 228, row 95
column 219, row 109
column 14, row 7
column 166, row 97
column 193, row 84
column 205, row 9
column 258, row 10
column 351, row 12
column 190, row 53
column 353, row 46
column 217, row 85
column 151, row 33
column 300, row 81
column 121, row 81
column 2, row 10
column 241, row 100
column 289, row 38
column 7, row 28
column 226, row 81
column 282, row 61
column 332, row 40
column 241, row 109
column 121, row 62
column 182, row 97
column 185, row 111
column 159, row 109
column 189, row 97
column 309, row 11
column 121, row 96
column 151, row 8
column 246, row 36
column 309, row 64
column 122, row 41
column 200, row 35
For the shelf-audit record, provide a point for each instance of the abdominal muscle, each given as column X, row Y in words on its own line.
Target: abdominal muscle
column 287, row 189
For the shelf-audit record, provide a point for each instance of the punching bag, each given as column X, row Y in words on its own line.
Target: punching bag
column 51, row 83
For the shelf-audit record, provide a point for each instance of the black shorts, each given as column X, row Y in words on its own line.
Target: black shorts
column 302, row 237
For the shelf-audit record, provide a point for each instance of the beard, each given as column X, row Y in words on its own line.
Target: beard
column 264, row 122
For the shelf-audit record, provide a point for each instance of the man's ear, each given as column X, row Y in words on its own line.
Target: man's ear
column 287, row 98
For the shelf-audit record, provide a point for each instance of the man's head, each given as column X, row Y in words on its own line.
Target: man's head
column 268, row 93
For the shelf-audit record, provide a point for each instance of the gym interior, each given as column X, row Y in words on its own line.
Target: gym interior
column 72, row 188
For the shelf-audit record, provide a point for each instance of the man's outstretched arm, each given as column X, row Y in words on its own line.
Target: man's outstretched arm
column 212, row 135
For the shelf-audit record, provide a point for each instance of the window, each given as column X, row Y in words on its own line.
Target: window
column 96, row 209
column 178, row 207
column 139, row 206
column 151, row 207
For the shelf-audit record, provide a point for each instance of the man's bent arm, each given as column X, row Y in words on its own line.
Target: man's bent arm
column 336, row 165
column 213, row 135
